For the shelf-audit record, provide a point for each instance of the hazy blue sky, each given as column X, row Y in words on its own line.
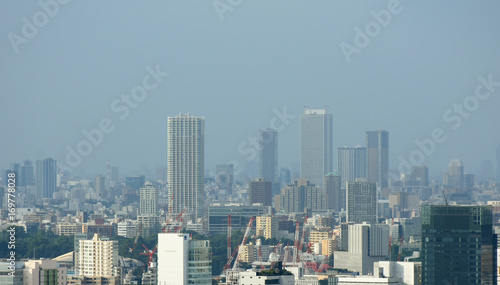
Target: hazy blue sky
column 263, row 55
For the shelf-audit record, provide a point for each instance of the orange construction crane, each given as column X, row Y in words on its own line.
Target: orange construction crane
column 175, row 220
column 150, row 254
column 322, row 265
column 235, row 254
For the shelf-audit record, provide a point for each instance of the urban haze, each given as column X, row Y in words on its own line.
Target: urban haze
column 337, row 137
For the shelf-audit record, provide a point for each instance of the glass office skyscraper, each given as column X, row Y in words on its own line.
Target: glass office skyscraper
column 458, row 245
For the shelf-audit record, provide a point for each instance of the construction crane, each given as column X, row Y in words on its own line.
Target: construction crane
column 296, row 242
column 171, row 206
column 445, row 200
column 232, row 274
column 285, row 256
column 320, row 268
column 150, row 254
column 175, row 220
column 275, row 253
column 243, row 242
column 131, row 249
column 302, row 238
column 236, row 251
column 400, row 248
column 258, row 244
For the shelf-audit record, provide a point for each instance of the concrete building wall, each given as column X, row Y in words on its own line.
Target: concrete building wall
column 173, row 259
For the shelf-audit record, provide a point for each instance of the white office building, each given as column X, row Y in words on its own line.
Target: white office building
column 316, row 146
column 367, row 244
column 182, row 261
column 409, row 272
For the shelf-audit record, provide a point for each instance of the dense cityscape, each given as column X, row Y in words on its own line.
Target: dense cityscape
column 355, row 223
column 233, row 142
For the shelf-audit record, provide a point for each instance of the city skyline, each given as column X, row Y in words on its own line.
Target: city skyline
column 240, row 142
column 408, row 102
column 343, row 155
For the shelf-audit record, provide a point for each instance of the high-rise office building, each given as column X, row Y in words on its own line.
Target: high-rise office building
column 365, row 244
column 315, row 199
column 114, row 173
column 135, row 182
column 458, row 245
column 183, row 261
column 46, row 171
column 300, row 195
column 260, row 191
column 26, row 174
column 361, row 196
column 268, row 154
column 148, row 200
column 455, row 175
column 377, row 158
column 98, row 257
column 224, row 177
column 469, row 180
column 420, row 173
column 99, row 186
column 240, row 216
column 15, row 167
column 351, row 163
column 334, row 193
column 316, row 146
column 186, row 163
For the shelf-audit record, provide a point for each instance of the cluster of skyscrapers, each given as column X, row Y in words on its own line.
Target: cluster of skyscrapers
column 353, row 213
